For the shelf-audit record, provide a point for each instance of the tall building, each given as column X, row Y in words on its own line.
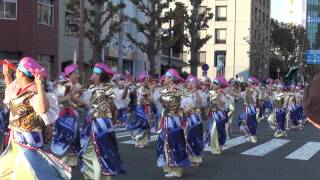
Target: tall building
column 134, row 60
column 69, row 39
column 295, row 12
column 30, row 28
column 240, row 33
column 313, row 24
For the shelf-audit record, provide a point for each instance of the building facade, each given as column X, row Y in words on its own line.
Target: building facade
column 295, row 11
column 240, row 33
column 134, row 60
column 30, row 28
column 313, row 24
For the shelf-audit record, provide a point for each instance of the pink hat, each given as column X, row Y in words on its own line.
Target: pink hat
column 143, row 75
column 192, row 78
column 70, row 69
column 31, row 67
column 223, row 81
column 174, row 74
column 105, row 68
column 269, row 80
column 253, row 80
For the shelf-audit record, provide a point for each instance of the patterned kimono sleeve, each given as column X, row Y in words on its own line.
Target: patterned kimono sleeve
column 52, row 114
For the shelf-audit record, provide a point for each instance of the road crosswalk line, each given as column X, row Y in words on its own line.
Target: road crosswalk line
column 266, row 148
column 305, row 152
column 230, row 143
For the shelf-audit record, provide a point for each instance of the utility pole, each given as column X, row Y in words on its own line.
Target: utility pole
column 120, row 43
column 81, row 37
column 170, row 36
column 234, row 38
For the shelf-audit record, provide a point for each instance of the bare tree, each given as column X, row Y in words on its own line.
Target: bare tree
column 98, row 14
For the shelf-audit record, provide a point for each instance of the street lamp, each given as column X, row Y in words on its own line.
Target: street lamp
column 278, row 71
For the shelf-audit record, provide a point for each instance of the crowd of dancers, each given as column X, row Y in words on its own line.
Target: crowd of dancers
column 84, row 119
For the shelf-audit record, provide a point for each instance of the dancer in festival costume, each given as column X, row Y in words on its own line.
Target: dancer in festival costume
column 279, row 111
column 139, row 127
column 292, row 116
column 299, row 97
column 121, row 100
column 230, row 93
column 265, row 100
column 66, row 142
column 248, row 117
column 171, row 145
column 205, row 88
column 156, row 106
column 192, row 105
column 100, row 152
column 32, row 111
column 216, row 133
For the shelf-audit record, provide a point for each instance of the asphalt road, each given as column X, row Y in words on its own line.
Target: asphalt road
column 293, row 158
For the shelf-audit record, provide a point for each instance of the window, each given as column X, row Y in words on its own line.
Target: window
column 71, row 26
column 220, row 61
column 8, row 9
column 263, row 17
column 220, row 36
column 256, row 13
column 260, row 17
column 202, row 56
column 45, row 12
column 221, row 13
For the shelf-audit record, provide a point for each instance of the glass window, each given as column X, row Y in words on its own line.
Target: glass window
column 219, row 62
column 221, row 13
column 220, row 36
column 71, row 26
column 255, row 13
column 45, row 12
column 8, row 9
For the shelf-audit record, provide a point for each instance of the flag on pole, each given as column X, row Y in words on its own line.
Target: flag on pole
column 290, row 77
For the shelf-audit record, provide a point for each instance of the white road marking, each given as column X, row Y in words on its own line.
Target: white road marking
column 266, row 148
column 305, row 152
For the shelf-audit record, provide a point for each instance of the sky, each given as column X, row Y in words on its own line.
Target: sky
column 277, row 7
